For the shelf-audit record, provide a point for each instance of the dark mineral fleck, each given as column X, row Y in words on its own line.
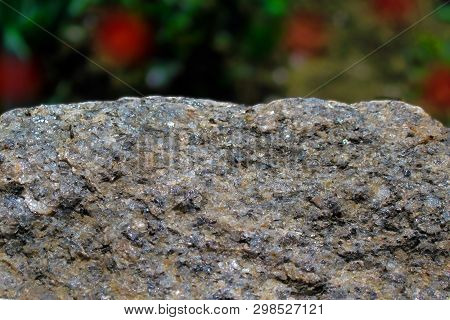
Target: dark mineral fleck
column 175, row 198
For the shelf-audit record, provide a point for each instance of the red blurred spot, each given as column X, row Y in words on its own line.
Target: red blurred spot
column 395, row 11
column 123, row 38
column 20, row 80
column 437, row 88
column 306, row 34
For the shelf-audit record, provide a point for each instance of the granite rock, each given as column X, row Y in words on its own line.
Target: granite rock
column 177, row 198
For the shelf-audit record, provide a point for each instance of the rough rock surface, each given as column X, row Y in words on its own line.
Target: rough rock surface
column 175, row 198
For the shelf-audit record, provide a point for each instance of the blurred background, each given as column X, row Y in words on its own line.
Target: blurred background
column 244, row 51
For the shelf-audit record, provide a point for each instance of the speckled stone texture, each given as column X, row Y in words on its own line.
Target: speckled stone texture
column 176, row 198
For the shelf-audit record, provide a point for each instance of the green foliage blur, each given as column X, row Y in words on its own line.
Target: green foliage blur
column 245, row 51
